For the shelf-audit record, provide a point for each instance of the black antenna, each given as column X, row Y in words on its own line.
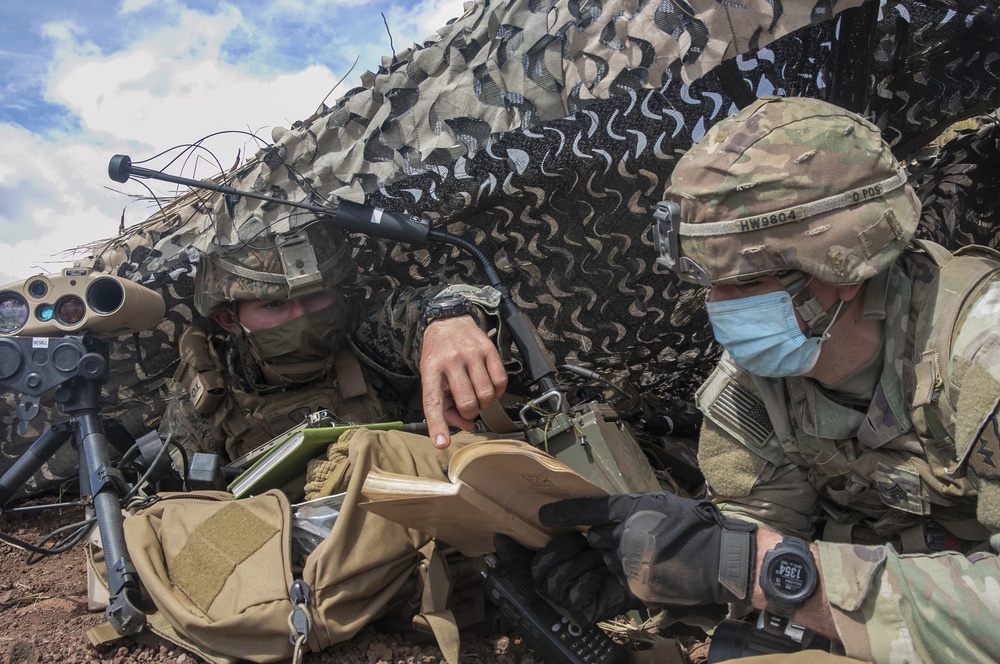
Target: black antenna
column 411, row 229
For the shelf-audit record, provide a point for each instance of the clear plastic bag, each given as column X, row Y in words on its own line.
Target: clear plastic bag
column 312, row 522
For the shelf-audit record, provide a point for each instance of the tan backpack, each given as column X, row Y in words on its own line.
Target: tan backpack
column 220, row 572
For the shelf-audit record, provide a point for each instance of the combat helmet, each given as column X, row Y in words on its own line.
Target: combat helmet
column 786, row 186
column 274, row 267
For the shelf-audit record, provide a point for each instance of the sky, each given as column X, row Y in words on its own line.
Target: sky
column 83, row 80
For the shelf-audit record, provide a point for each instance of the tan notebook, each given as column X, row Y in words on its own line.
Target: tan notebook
column 493, row 487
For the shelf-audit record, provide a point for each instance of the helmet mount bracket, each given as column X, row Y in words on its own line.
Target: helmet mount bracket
column 298, row 260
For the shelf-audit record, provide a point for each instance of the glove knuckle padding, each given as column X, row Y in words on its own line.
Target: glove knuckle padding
column 639, row 553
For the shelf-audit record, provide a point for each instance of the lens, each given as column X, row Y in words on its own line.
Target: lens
column 70, row 310
column 44, row 312
column 38, row 289
column 105, row 296
column 13, row 312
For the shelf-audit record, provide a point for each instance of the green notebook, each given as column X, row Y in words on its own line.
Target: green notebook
column 287, row 460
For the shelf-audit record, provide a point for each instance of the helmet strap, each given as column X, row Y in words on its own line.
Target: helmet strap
column 806, row 305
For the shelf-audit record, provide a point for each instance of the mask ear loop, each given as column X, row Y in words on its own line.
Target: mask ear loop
column 236, row 317
column 796, row 285
column 833, row 319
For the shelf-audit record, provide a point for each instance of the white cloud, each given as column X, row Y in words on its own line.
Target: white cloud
column 435, row 14
column 173, row 87
column 132, row 6
column 170, row 85
column 61, row 205
column 169, row 89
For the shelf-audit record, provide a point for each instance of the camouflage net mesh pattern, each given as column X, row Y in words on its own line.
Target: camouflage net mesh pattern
column 546, row 131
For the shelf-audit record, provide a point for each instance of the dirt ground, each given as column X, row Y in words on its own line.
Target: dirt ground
column 44, row 616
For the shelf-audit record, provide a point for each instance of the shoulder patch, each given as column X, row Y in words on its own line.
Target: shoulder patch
column 737, row 409
column 740, row 408
column 984, row 457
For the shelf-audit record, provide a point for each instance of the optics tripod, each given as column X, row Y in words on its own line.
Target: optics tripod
column 79, row 365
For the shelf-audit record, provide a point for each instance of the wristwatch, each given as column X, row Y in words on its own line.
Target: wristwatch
column 446, row 307
column 788, row 576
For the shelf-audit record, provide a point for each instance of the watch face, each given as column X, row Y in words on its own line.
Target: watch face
column 789, row 576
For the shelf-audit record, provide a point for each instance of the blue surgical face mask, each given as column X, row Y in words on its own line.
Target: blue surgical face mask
column 762, row 334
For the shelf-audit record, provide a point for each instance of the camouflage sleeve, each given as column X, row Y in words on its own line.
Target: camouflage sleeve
column 943, row 606
column 975, row 372
column 183, row 425
column 389, row 337
column 889, row 607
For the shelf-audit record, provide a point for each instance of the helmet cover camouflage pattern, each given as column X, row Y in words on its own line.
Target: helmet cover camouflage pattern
column 266, row 269
column 753, row 176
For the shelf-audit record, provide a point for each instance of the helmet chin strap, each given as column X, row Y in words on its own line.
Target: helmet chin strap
column 815, row 316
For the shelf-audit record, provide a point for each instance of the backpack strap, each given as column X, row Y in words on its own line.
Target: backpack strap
column 961, row 279
column 434, row 614
column 497, row 420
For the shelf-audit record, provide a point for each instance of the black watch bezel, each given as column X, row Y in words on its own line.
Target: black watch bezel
column 786, row 592
column 446, row 307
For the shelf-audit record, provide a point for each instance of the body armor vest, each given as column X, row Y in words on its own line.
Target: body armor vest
column 249, row 418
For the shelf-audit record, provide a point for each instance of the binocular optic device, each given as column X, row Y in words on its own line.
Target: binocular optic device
column 77, row 300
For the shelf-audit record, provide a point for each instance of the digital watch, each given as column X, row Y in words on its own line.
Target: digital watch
column 446, row 307
column 788, row 576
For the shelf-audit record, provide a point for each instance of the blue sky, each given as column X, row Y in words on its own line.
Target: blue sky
column 81, row 80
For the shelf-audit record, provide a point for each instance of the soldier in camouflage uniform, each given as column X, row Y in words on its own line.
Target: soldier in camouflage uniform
column 297, row 342
column 855, row 407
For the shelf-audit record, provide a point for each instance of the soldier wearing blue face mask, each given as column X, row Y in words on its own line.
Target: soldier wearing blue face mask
column 851, row 441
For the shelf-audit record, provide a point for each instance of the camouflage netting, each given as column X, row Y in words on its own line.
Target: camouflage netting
column 545, row 131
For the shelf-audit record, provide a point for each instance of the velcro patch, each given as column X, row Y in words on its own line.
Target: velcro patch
column 900, row 487
column 215, row 549
column 984, row 458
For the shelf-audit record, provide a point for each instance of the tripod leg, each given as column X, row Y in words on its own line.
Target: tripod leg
column 107, row 487
column 33, row 458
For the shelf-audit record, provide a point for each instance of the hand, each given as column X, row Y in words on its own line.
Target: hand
column 574, row 578
column 461, row 373
column 664, row 549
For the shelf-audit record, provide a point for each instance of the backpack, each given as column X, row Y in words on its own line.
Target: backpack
column 220, row 574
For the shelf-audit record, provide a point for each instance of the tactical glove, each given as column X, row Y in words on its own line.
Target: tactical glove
column 574, row 578
column 664, row 549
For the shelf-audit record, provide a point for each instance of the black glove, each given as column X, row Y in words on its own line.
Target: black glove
column 664, row 549
column 574, row 578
